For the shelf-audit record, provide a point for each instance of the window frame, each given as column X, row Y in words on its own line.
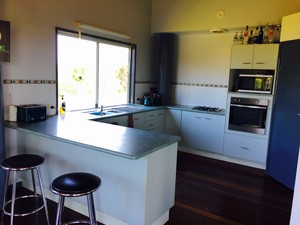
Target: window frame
column 132, row 64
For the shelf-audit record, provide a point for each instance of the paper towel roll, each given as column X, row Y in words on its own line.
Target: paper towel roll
column 12, row 113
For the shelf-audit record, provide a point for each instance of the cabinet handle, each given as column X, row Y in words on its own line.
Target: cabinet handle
column 151, row 115
column 247, row 63
column 260, row 63
column 198, row 117
column 136, row 119
column 244, row 148
column 207, row 118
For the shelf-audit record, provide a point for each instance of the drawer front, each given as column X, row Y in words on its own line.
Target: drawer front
column 150, row 115
column 248, row 148
column 151, row 125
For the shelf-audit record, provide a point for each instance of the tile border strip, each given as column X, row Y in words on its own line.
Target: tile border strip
column 17, row 81
column 199, row 85
column 29, row 82
column 187, row 84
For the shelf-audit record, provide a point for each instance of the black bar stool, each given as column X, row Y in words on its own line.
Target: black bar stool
column 17, row 163
column 75, row 185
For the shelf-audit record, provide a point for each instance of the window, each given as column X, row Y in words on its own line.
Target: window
column 93, row 71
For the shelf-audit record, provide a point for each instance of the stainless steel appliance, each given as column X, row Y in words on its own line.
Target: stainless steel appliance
column 248, row 114
column 254, row 83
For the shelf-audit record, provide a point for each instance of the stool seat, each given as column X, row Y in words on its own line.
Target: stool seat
column 75, row 184
column 14, row 206
column 22, row 162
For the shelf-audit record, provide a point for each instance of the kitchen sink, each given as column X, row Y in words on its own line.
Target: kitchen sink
column 105, row 112
column 114, row 110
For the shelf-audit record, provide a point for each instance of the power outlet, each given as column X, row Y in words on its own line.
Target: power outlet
column 51, row 110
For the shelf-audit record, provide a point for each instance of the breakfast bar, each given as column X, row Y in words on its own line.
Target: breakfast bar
column 137, row 168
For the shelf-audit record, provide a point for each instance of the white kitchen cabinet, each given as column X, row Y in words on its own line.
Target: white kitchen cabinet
column 123, row 121
column 139, row 120
column 155, row 120
column 110, row 120
column 173, row 122
column 262, row 56
column 247, row 148
column 203, row 131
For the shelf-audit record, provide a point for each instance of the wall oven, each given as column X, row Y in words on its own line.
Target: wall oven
column 250, row 114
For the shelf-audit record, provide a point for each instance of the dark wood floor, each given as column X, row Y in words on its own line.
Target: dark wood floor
column 213, row 192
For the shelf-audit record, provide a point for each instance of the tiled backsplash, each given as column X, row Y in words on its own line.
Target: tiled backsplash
column 192, row 94
column 213, row 95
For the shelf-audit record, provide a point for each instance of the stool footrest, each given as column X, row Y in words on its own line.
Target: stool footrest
column 36, row 200
column 78, row 222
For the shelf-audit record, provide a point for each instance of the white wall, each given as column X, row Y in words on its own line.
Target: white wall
column 197, row 15
column 203, row 70
column 33, row 39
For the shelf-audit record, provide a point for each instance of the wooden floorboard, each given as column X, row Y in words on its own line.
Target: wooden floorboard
column 211, row 192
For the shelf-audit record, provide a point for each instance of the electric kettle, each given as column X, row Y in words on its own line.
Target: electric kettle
column 147, row 99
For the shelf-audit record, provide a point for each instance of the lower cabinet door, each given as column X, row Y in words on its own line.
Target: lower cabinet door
column 203, row 131
column 248, row 148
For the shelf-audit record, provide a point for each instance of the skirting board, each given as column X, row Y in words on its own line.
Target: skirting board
column 221, row 157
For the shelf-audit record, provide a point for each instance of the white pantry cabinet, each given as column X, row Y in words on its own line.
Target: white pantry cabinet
column 203, row 131
column 257, row 56
column 244, row 147
column 173, row 122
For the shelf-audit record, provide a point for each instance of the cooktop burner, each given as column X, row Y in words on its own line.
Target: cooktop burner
column 208, row 109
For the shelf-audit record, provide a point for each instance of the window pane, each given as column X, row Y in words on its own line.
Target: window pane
column 113, row 74
column 77, row 72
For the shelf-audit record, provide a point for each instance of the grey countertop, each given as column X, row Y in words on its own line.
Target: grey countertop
column 112, row 139
column 78, row 128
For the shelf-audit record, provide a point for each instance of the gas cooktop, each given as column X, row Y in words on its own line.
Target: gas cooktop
column 208, row 109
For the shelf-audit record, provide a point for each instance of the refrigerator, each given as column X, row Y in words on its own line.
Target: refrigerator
column 285, row 126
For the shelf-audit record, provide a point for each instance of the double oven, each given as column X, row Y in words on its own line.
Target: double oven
column 249, row 111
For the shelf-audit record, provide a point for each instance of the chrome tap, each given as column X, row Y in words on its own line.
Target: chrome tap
column 101, row 110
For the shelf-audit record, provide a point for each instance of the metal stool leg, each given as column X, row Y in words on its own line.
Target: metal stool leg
column 33, row 181
column 60, row 208
column 13, row 197
column 43, row 194
column 91, row 208
column 4, row 197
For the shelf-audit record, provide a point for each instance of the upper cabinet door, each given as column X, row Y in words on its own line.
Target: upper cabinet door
column 242, row 56
column 262, row 56
column 265, row 56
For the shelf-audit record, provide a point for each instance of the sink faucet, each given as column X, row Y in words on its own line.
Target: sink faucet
column 101, row 109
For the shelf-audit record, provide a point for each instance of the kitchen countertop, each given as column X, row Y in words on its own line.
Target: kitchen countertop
column 80, row 129
column 112, row 139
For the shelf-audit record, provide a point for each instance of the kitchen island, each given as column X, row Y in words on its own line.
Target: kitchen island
column 137, row 168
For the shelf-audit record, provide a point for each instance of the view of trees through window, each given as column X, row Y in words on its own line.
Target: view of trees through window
column 92, row 73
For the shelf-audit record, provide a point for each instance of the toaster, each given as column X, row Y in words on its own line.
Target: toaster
column 31, row 113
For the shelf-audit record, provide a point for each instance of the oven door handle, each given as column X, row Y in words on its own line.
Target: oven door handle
column 249, row 106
